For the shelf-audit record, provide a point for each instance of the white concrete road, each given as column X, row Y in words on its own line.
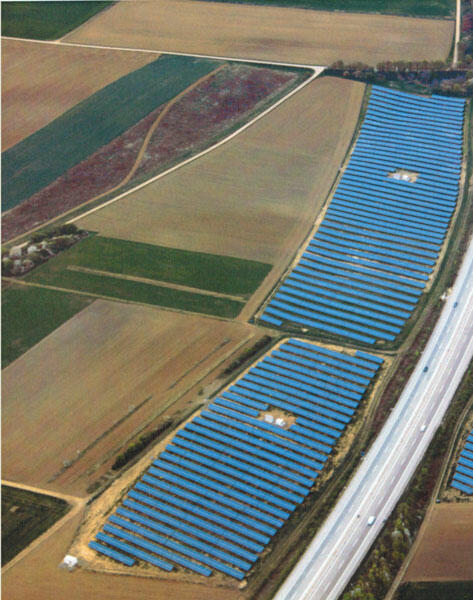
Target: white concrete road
column 339, row 547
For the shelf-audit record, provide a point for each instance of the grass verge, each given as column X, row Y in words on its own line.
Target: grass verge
column 31, row 313
column 46, row 20
column 25, row 516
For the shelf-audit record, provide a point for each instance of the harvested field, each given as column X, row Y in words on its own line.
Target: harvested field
column 256, row 196
column 42, row 81
column 204, row 113
column 29, row 314
column 37, row 576
column 98, row 380
column 444, row 553
column 268, row 33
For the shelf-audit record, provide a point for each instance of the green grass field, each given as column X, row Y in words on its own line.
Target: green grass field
column 44, row 156
column 29, row 314
column 414, row 8
column 210, row 272
column 25, row 516
column 46, row 20
column 449, row 590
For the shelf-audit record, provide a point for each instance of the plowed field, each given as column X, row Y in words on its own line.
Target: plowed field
column 267, row 32
column 79, row 382
column 445, row 551
column 42, row 81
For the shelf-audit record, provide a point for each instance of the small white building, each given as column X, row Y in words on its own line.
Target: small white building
column 69, row 562
column 280, row 422
column 269, row 418
column 15, row 251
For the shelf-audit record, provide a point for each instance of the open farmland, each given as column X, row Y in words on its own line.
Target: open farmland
column 42, row 81
column 47, row 20
column 422, row 8
column 47, row 154
column 269, row 33
column 206, row 110
column 444, row 552
column 254, row 197
column 37, row 576
column 25, row 516
column 106, row 359
column 31, row 313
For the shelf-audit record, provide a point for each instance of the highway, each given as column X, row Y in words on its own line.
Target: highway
column 342, row 542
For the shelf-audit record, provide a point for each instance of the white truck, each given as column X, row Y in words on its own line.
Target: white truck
column 371, row 519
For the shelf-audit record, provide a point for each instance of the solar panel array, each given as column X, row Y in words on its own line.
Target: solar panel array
column 233, row 475
column 364, row 270
column 463, row 476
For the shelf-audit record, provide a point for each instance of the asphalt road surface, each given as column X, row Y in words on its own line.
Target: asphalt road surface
column 339, row 547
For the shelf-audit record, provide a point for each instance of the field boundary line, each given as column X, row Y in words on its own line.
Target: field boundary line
column 77, row 503
column 170, row 52
column 457, row 32
column 316, row 73
column 173, row 309
column 156, row 282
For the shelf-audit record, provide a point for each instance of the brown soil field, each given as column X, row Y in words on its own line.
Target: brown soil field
column 254, row 197
column 42, row 81
column 445, row 551
column 69, row 397
column 192, row 123
column 267, row 33
column 37, row 577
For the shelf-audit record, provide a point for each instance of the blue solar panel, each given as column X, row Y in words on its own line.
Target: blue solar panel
column 204, row 501
column 227, row 449
column 275, row 461
column 236, row 406
column 138, row 541
column 118, row 556
column 182, row 537
column 244, row 400
column 183, row 526
column 162, row 564
column 464, row 470
column 248, row 470
column 183, row 549
column 175, row 458
column 196, row 520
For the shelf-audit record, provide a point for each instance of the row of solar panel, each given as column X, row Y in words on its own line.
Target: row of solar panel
column 364, row 270
column 229, row 479
column 463, row 475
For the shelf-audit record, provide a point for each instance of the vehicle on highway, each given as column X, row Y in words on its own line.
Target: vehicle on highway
column 426, row 368
column 423, row 428
column 455, row 305
column 371, row 520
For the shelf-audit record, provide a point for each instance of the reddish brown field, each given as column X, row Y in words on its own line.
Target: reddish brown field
column 446, row 548
column 69, row 392
column 37, row 577
column 194, row 122
column 42, row 81
column 271, row 33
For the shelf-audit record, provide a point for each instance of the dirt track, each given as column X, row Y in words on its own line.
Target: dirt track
column 266, row 32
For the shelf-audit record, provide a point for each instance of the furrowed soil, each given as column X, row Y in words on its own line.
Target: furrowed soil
column 90, row 387
column 266, row 32
column 445, row 551
column 255, row 197
column 37, row 576
column 42, row 81
column 200, row 116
